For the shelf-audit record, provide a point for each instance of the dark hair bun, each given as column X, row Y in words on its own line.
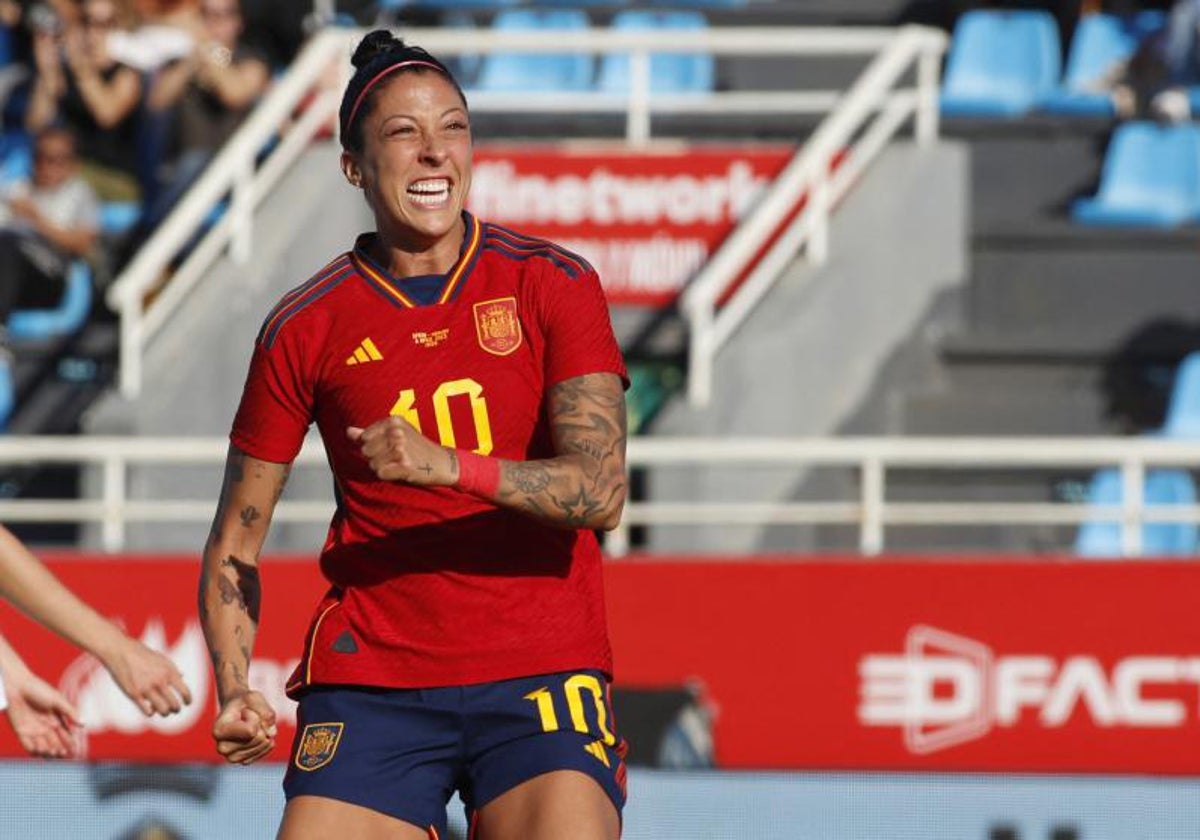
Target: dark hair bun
column 375, row 44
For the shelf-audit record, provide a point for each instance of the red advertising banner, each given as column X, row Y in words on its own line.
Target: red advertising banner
column 839, row 663
column 647, row 220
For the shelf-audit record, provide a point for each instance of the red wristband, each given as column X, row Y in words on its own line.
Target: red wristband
column 477, row 474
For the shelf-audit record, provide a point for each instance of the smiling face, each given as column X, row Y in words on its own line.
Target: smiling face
column 415, row 162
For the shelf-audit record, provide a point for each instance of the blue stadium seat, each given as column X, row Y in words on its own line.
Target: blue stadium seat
column 16, row 157
column 1151, row 177
column 1099, row 44
column 1162, row 487
column 119, row 217
column 523, row 72
column 669, row 72
column 1001, row 63
column 1183, row 408
column 32, row 325
column 8, row 397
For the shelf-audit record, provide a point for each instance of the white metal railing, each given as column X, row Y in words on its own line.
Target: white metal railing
column 872, row 458
column 242, row 172
column 872, row 111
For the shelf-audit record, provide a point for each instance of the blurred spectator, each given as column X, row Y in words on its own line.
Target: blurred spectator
column 205, row 96
column 44, row 224
column 80, row 84
column 1182, row 54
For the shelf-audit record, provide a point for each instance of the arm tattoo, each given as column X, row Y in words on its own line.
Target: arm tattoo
column 528, row 476
column 249, row 514
column 247, row 592
column 587, row 422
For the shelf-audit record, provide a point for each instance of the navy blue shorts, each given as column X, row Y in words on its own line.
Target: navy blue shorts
column 404, row 752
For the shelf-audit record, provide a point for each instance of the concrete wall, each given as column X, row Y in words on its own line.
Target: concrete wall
column 806, row 358
column 196, row 366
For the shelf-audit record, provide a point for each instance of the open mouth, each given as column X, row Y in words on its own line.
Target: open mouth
column 429, row 192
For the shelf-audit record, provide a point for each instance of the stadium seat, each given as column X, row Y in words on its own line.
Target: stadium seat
column 1099, row 44
column 16, row 157
column 32, row 325
column 119, row 217
column 8, row 398
column 1162, row 487
column 523, row 72
column 1151, row 177
column 1183, row 408
column 669, row 72
column 1001, row 63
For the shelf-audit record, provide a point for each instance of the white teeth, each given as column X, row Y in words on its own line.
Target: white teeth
column 432, row 192
column 439, row 185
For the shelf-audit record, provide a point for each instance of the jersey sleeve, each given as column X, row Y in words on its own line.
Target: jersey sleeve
column 277, row 401
column 579, row 333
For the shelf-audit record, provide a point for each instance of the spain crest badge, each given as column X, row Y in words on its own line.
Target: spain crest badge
column 318, row 744
column 497, row 325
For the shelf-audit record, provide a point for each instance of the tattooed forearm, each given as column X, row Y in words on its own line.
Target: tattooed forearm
column 584, row 485
column 230, row 597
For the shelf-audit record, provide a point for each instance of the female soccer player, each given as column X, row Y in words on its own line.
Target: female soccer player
column 470, row 395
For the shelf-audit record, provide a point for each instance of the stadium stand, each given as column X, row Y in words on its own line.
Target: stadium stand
column 521, row 72
column 671, row 73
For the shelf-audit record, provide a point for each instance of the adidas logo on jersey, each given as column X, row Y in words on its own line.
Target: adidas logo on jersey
column 364, row 352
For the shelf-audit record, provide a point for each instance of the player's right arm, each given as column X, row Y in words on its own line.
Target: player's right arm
column 230, row 597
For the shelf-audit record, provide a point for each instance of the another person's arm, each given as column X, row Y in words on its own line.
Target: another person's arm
column 149, row 678
column 40, row 715
column 75, row 241
column 582, row 486
column 170, row 83
column 49, row 83
column 111, row 101
column 229, row 599
column 236, row 83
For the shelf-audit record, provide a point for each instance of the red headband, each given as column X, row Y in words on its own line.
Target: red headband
column 367, row 88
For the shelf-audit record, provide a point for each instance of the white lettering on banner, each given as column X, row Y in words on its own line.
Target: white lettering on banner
column 657, row 265
column 948, row 689
column 601, row 197
column 104, row 707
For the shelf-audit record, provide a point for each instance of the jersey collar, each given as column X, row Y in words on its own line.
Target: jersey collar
column 424, row 290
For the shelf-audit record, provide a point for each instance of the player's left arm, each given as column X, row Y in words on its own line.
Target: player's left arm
column 582, row 486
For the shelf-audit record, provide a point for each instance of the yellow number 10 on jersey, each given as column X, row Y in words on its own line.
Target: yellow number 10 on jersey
column 406, row 407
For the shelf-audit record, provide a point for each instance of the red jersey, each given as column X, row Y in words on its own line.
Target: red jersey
column 431, row 586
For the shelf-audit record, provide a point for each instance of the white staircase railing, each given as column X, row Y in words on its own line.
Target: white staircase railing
column 244, row 173
column 870, row 113
column 870, row 458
